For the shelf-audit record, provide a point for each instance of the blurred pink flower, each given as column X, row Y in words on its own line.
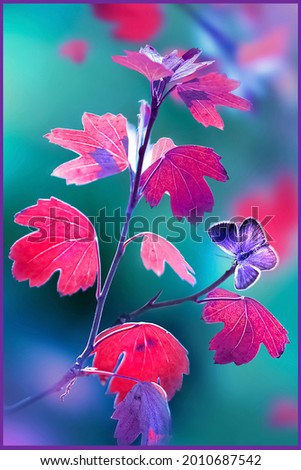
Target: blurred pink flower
column 278, row 200
column 133, row 22
column 283, row 413
column 76, row 50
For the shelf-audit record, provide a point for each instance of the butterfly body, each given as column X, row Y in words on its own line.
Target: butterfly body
column 241, row 256
column 247, row 242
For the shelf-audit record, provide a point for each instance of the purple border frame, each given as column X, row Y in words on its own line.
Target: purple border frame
column 258, row 448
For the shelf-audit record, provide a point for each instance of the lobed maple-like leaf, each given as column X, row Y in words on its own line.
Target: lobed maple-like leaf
column 143, row 351
column 247, row 324
column 76, row 50
column 143, row 411
column 65, row 241
column 102, row 146
column 172, row 67
column 133, row 22
column 156, row 250
column 180, row 172
column 202, row 94
column 143, row 64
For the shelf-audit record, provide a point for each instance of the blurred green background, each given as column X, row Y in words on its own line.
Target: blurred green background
column 218, row 405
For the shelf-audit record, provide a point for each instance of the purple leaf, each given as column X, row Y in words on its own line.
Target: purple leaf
column 142, row 63
column 180, row 172
column 203, row 94
column 144, row 411
column 173, row 67
column 247, row 324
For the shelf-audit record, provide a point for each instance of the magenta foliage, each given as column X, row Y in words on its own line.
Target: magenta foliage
column 144, row 411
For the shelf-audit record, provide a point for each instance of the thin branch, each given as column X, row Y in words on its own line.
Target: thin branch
column 167, row 93
column 152, row 304
column 57, row 387
column 76, row 368
column 133, row 201
column 142, row 150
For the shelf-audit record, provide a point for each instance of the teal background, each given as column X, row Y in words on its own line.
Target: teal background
column 218, row 405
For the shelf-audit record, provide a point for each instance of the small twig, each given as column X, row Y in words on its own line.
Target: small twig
column 129, row 317
column 167, row 93
column 68, row 389
column 72, row 374
column 152, row 304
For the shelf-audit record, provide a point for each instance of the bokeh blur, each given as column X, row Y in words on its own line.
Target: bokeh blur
column 217, row 405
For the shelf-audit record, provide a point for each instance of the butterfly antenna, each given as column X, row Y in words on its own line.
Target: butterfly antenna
column 224, row 256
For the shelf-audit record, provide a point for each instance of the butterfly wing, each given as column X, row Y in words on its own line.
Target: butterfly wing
column 264, row 258
column 251, row 235
column 245, row 275
column 225, row 235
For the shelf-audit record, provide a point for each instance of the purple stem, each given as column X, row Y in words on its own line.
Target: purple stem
column 152, row 304
column 133, row 200
column 154, row 112
column 134, row 197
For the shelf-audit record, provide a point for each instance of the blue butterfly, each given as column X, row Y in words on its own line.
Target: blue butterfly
column 248, row 243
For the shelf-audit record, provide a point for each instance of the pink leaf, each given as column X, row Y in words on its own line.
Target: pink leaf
column 65, row 241
column 75, row 50
column 133, row 22
column 247, row 324
column 102, row 147
column 156, row 250
column 149, row 354
column 180, row 173
column 204, row 93
column 161, row 148
column 173, row 67
column 144, row 411
column 140, row 62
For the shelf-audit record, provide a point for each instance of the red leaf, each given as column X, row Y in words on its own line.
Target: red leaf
column 133, row 22
column 150, row 354
column 65, row 241
column 75, row 50
column 102, row 147
column 204, row 93
column 247, row 324
column 143, row 64
column 156, row 250
column 180, row 173
column 275, row 205
column 143, row 411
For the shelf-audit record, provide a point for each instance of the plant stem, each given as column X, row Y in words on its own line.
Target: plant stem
column 57, row 387
column 75, row 370
column 103, row 296
column 133, row 200
column 152, row 304
column 142, row 150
